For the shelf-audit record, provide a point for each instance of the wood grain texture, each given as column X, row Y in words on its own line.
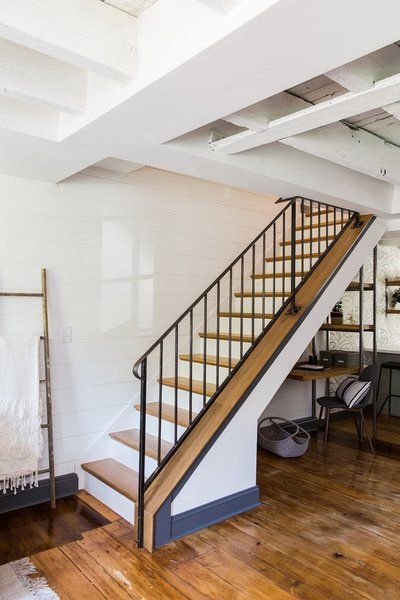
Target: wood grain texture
column 304, row 375
column 327, row 527
column 130, row 438
column 223, row 361
column 198, row 439
column 113, row 473
column 168, row 413
column 344, row 327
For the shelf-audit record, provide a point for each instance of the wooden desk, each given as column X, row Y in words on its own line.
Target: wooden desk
column 310, row 375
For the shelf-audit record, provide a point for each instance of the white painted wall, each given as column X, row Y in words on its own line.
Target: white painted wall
column 235, row 454
column 125, row 256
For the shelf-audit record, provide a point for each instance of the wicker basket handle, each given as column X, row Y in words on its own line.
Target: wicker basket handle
column 280, row 420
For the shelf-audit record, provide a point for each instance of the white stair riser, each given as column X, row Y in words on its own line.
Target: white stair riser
column 259, row 306
column 224, row 348
column 211, row 372
column 269, row 266
column 114, row 500
column 247, row 325
column 167, row 428
column 130, row 457
column 168, row 393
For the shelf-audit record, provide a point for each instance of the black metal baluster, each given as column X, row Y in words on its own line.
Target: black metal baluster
column 241, row 303
column 319, row 228
column 218, row 311
column 205, row 353
column 302, row 238
column 334, row 223
column 283, row 285
column 273, row 267
column 160, row 387
column 253, row 284
column 142, row 451
column 293, row 308
column 230, row 320
column 191, row 367
column 176, row 387
column 327, row 226
column 263, row 282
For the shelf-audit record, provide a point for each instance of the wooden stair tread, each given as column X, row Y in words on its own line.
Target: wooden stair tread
column 323, row 238
column 261, row 294
column 235, row 337
column 246, row 315
column 322, row 225
column 168, row 413
column 120, row 478
column 184, row 384
column 395, row 281
column 308, row 213
column 344, row 327
column 131, row 438
column 277, row 275
column 223, row 361
column 270, row 259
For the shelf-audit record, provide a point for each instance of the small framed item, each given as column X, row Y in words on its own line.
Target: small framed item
column 326, row 358
column 341, row 358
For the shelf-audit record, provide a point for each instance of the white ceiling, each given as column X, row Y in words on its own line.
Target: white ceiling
column 85, row 81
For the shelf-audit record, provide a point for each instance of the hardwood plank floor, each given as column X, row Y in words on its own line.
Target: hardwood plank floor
column 30, row 530
column 327, row 528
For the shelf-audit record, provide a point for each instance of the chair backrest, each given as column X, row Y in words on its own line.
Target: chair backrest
column 371, row 374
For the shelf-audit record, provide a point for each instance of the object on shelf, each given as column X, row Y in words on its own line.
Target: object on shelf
column 311, row 367
column 337, row 314
column 340, row 358
column 326, row 358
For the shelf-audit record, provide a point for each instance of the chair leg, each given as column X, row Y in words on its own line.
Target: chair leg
column 361, row 438
column 328, row 414
column 355, row 416
column 366, row 431
column 319, row 421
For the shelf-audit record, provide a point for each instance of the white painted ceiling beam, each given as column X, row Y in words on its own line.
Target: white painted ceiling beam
column 33, row 76
column 257, row 116
column 361, row 74
column 341, row 107
column 353, row 148
column 88, row 34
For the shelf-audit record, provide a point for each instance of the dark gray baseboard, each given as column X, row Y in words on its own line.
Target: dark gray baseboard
column 66, row 485
column 213, row 512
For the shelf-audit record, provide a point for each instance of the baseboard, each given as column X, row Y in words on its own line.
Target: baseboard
column 213, row 512
column 66, row 485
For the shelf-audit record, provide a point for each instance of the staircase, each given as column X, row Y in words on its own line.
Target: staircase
column 194, row 378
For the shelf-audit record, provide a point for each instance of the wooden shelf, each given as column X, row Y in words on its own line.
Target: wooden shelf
column 349, row 327
column 355, row 287
column 393, row 311
column 309, row 375
column 393, row 282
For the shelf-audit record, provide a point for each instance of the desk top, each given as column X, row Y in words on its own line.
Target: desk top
column 310, row 375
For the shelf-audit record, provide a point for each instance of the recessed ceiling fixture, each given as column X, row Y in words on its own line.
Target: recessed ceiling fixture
column 131, row 7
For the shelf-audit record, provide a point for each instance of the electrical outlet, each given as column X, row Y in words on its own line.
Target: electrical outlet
column 67, row 335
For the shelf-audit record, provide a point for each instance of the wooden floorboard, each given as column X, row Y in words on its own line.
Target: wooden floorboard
column 327, row 528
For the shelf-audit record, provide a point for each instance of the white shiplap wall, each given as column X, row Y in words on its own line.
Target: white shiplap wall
column 125, row 256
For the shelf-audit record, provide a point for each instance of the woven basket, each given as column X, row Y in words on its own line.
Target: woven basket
column 282, row 437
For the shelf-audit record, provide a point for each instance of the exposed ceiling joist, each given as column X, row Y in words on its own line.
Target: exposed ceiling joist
column 257, row 116
column 50, row 82
column 131, row 7
column 339, row 108
column 90, row 34
column 359, row 75
column 353, row 148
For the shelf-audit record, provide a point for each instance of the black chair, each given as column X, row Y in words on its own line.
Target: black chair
column 370, row 373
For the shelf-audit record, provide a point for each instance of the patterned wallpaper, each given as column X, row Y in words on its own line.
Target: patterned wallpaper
column 388, row 326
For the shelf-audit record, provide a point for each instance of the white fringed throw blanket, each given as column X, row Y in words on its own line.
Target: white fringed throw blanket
column 20, row 412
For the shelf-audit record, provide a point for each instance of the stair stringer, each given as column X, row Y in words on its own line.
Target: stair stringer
column 226, row 469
